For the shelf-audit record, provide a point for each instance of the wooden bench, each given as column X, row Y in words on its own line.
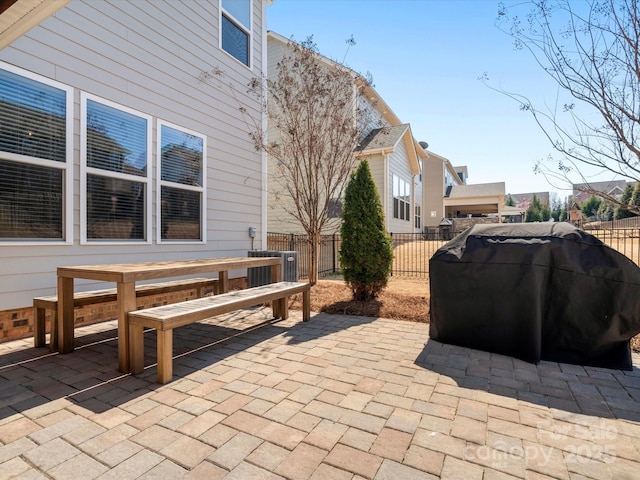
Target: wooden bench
column 167, row 317
column 81, row 299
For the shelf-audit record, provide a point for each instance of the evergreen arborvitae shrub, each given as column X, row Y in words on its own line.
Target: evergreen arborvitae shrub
column 365, row 252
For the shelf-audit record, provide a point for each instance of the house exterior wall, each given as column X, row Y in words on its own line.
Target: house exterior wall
column 377, row 165
column 279, row 202
column 433, row 191
column 370, row 118
column 398, row 164
column 418, row 201
column 150, row 56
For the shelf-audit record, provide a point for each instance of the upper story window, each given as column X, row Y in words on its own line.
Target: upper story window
column 401, row 198
column 35, row 152
column 182, row 163
column 449, row 179
column 115, row 151
column 235, row 25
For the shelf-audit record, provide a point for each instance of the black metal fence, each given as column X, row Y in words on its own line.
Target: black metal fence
column 328, row 263
column 412, row 251
column 624, row 240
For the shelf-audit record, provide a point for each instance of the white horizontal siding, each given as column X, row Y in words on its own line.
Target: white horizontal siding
column 149, row 56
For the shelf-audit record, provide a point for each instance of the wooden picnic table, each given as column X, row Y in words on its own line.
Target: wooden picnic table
column 125, row 275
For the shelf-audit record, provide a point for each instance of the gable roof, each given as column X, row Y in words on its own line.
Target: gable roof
column 384, row 140
column 20, row 16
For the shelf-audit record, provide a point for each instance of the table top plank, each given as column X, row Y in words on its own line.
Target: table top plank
column 131, row 272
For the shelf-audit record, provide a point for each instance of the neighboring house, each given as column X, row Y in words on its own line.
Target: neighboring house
column 438, row 177
column 394, row 156
column 583, row 191
column 523, row 200
column 114, row 147
column 447, row 194
column 395, row 163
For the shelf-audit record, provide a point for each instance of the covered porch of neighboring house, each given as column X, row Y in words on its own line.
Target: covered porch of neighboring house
column 485, row 199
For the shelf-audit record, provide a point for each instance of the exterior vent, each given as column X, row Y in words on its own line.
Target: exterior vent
column 258, row 276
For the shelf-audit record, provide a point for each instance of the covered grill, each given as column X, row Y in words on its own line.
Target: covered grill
column 536, row 291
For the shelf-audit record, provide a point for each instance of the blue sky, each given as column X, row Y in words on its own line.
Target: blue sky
column 426, row 57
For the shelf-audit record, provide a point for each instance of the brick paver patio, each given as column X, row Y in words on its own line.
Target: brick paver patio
column 340, row 397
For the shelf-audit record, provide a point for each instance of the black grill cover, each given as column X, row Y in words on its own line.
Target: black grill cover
column 536, row 291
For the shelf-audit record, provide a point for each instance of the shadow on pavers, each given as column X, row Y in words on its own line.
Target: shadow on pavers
column 594, row 391
column 89, row 377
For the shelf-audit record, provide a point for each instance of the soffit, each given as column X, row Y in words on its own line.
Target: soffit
column 18, row 17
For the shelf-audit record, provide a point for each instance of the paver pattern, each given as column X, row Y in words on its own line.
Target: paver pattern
column 340, row 397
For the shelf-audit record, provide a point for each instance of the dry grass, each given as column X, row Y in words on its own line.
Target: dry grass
column 403, row 299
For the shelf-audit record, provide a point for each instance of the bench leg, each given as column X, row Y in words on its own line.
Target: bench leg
column 165, row 356
column 136, row 348
column 306, row 305
column 284, row 308
column 223, row 282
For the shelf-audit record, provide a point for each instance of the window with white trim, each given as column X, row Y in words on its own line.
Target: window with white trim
column 116, row 152
column 235, row 27
column 418, row 217
column 35, row 152
column 181, row 164
column 401, row 199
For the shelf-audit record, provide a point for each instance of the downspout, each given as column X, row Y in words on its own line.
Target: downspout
column 263, row 182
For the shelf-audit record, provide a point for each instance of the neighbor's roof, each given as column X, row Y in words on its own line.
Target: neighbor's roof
column 509, row 210
column 477, row 190
column 382, row 138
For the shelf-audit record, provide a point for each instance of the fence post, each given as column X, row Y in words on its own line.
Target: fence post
column 292, row 242
column 391, row 235
column 333, row 251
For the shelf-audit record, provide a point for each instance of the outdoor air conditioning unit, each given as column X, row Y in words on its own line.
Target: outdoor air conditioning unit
column 257, row 276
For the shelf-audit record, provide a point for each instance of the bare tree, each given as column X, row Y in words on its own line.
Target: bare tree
column 316, row 121
column 591, row 50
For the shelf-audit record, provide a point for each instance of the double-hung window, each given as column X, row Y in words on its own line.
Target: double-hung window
column 35, row 157
column 235, row 25
column 181, row 190
column 115, row 172
column 401, row 198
